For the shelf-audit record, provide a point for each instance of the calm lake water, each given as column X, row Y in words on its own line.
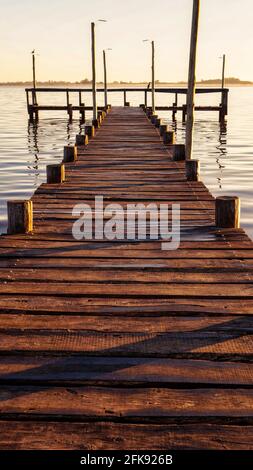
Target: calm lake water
column 226, row 153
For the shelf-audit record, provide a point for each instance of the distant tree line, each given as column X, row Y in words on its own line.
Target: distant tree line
column 86, row 81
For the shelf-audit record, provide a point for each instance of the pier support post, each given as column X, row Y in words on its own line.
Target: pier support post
column 82, row 113
column 227, row 212
column 163, row 128
column 192, row 170
column 169, row 138
column 174, row 111
column 90, row 131
column 184, row 112
column 70, row 112
column 126, row 103
column 224, row 106
column 55, row 174
column 30, row 112
column 20, row 216
column 82, row 139
column 178, row 152
column 70, row 154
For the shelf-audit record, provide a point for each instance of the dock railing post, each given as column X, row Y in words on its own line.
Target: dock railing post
column 192, row 79
column 169, row 138
column 20, row 216
column 192, row 170
column 227, row 212
column 69, row 153
column 55, row 173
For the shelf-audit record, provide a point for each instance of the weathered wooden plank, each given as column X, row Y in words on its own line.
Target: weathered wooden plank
column 117, row 436
column 123, row 324
column 130, row 289
column 194, row 344
column 144, row 404
column 123, row 371
column 118, row 252
column 121, row 305
column 160, row 264
column 118, row 275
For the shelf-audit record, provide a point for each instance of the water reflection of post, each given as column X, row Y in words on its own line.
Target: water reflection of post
column 68, row 128
column 222, row 148
column 33, row 148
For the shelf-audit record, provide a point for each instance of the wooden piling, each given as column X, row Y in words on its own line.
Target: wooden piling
column 149, row 112
column 184, row 112
column 227, row 212
column 153, row 118
column 20, row 216
column 69, row 154
column 82, row 139
column 192, row 80
column 30, row 112
column 192, row 170
column 163, row 129
column 153, row 75
column 169, row 138
column 93, row 58
column 178, row 152
column 96, row 123
column 82, row 113
column 89, row 131
column 105, row 78
column 55, row 173
column 70, row 112
column 100, row 117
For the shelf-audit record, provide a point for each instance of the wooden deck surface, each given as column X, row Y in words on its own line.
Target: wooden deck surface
column 118, row 344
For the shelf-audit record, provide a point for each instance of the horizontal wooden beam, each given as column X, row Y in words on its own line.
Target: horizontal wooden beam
column 181, row 90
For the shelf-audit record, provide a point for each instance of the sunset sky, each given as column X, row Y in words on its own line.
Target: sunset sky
column 59, row 30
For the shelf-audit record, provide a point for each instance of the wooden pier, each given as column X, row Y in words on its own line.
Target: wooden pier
column 118, row 344
column 34, row 107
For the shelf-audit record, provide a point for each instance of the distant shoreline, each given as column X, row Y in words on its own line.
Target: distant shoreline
column 86, row 83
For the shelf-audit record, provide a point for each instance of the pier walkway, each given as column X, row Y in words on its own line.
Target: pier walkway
column 119, row 344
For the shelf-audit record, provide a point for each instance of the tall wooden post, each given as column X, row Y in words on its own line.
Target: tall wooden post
column 223, row 71
column 192, row 79
column 153, row 76
column 34, row 98
column 223, row 110
column 93, row 58
column 105, row 77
